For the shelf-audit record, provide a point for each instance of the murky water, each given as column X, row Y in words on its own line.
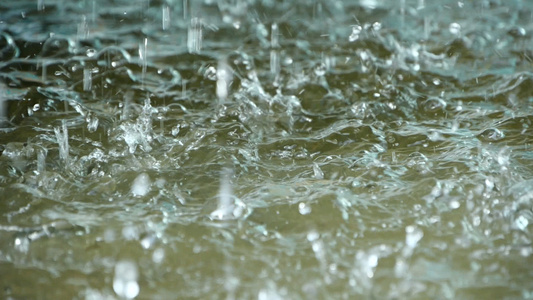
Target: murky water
column 266, row 149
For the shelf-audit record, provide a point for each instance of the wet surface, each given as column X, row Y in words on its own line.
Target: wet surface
column 266, row 149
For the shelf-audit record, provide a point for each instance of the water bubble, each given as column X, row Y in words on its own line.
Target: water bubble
column 491, row 135
column 141, row 185
column 434, row 105
column 125, row 281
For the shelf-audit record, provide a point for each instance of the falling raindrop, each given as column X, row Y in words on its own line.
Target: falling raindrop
column 224, row 76
column 61, row 134
column 40, row 5
column 87, row 79
column 165, row 19
column 194, row 36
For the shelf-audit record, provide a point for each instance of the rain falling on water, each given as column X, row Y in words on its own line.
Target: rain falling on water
column 239, row 149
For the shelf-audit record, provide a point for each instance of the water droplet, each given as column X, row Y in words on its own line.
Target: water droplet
column 90, row 52
column 125, row 281
column 158, row 255
column 455, row 28
column 354, row 36
column 313, row 236
column 224, row 76
column 141, row 185
column 210, row 73
column 22, row 244
column 320, row 69
column 413, row 236
column 304, row 209
column 318, row 174
column 521, row 222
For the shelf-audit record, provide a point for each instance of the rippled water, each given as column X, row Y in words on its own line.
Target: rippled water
column 266, row 149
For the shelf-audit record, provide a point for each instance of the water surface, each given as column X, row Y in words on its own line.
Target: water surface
column 266, row 149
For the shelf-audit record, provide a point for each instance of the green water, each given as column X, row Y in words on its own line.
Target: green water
column 262, row 149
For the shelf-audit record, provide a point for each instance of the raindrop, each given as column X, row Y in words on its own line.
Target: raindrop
column 90, row 52
column 194, row 36
column 318, row 174
column 165, row 20
column 158, row 255
column 521, row 222
column 61, row 134
column 40, row 5
column 455, row 28
column 320, row 69
column 224, row 76
column 211, row 73
column 125, row 280
column 304, row 209
column 83, row 29
column 274, row 62
column 22, row 244
column 354, row 36
column 413, row 236
column 87, row 79
column 141, row 185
